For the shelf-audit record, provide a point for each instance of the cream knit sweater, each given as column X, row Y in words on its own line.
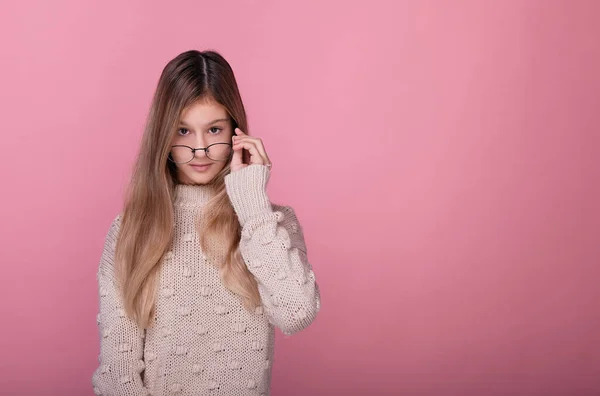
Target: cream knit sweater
column 202, row 340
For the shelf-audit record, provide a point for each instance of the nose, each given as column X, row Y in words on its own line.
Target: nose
column 200, row 142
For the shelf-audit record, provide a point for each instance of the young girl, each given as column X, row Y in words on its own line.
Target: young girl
column 200, row 266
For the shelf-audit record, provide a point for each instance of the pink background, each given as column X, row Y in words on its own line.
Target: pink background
column 441, row 155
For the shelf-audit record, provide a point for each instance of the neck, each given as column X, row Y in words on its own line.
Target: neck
column 193, row 195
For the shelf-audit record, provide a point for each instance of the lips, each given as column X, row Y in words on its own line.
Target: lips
column 200, row 167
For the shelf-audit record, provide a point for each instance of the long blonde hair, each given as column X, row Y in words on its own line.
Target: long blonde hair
column 146, row 229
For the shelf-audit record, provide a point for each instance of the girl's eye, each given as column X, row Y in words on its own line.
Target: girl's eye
column 214, row 130
column 183, row 131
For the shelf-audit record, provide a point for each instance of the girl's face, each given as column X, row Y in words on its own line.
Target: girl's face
column 202, row 124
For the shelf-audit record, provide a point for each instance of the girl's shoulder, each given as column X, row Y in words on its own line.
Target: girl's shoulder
column 115, row 226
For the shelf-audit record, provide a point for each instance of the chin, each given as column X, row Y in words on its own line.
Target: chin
column 196, row 179
column 189, row 176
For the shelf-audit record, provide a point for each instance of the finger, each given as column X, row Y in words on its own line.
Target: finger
column 250, row 146
column 259, row 146
column 241, row 135
column 237, row 160
column 238, row 152
column 238, row 136
column 255, row 155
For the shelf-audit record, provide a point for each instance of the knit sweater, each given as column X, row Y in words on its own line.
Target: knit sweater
column 202, row 341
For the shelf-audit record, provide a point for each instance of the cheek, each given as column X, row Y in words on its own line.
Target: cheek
column 219, row 166
column 183, row 169
column 178, row 139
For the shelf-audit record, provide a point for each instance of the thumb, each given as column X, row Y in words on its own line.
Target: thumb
column 237, row 160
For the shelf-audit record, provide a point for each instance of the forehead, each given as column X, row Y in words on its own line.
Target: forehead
column 203, row 112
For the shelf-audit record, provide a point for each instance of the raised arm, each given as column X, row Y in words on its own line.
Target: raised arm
column 273, row 248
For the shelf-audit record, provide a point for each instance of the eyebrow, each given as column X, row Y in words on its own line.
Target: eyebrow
column 210, row 123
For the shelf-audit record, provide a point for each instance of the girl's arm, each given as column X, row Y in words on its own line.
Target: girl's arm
column 273, row 248
column 121, row 340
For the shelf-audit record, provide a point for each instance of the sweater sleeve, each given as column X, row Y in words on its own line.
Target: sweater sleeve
column 121, row 340
column 273, row 248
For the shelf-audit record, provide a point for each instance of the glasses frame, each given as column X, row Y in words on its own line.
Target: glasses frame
column 205, row 149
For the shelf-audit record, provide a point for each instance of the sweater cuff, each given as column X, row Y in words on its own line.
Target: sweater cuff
column 247, row 190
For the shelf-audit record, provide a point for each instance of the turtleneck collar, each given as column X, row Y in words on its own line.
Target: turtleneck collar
column 192, row 195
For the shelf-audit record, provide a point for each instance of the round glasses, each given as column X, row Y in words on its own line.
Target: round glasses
column 181, row 154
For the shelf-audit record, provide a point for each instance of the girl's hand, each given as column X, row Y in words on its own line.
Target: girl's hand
column 241, row 142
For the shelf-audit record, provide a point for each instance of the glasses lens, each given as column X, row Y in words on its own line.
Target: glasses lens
column 181, row 154
column 218, row 151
